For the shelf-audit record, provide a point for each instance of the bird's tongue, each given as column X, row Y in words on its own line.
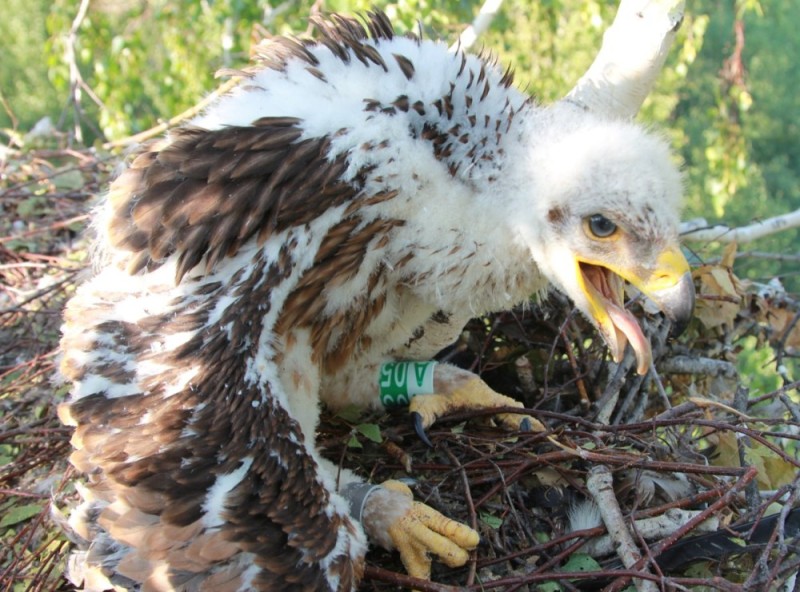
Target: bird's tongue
column 607, row 286
column 628, row 330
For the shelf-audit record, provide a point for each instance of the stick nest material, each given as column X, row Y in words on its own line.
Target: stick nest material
column 681, row 479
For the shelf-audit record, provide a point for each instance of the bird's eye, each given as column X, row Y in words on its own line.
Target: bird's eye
column 599, row 226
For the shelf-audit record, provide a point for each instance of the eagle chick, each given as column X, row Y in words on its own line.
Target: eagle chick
column 353, row 202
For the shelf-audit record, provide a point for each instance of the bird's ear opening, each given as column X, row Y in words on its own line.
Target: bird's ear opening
column 558, row 215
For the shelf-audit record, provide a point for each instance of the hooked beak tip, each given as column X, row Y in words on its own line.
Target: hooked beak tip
column 677, row 303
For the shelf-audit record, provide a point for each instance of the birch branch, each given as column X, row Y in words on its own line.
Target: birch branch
column 600, row 486
column 651, row 529
column 764, row 255
column 630, row 59
column 482, row 21
column 700, row 231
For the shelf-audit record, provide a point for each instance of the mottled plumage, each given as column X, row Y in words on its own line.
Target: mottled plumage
column 354, row 201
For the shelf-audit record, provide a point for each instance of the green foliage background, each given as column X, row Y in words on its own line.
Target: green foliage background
column 733, row 121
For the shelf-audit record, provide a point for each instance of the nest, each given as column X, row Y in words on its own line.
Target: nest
column 680, row 479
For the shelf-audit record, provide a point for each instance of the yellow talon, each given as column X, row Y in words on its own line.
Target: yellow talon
column 423, row 531
column 474, row 394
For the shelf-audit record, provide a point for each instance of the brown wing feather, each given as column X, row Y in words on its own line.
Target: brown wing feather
column 155, row 458
column 179, row 198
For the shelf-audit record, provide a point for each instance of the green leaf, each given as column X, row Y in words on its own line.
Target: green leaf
column 458, row 428
column 541, row 537
column 350, row 414
column 371, row 431
column 581, row 562
column 7, row 455
column 70, row 180
column 491, row 521
column 549, row 587
column 30, row 206
column 738, row 541
column 354, row 443
column 19, row 514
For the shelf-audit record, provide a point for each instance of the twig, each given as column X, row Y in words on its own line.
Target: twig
column 46, row 229
column 726, row 499
column 405, row 582
column 563, row 576
column 779, row 534
column 695, row 365
column 608, row 400
column 585, row 401
column 10, row 112
column 172, row 122
column 790, row 405
column 600, row 484
column 75, row 77
column 39, row 293
column 743, row 443
column 649, row 529
column 473, row 515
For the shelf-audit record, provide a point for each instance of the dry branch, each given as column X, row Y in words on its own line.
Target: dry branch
column 600, row 486
column 698, row 230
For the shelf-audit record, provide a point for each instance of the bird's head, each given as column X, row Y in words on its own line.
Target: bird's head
column 606, row 212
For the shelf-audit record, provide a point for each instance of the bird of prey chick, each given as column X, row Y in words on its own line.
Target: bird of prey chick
column 351, row 204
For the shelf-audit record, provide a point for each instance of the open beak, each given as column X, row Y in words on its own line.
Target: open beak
column 669, row 286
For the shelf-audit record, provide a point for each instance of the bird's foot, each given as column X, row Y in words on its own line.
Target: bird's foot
column 421, row 532
column 470, row 394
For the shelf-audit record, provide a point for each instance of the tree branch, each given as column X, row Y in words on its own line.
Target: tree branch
column 696, row 365
column 482, row 21
column 633, row 52
column 75, row 79
column 651, row 529
column 700, row 231
column 600, row 486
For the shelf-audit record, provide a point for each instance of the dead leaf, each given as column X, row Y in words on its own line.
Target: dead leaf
column 729, row 255
column 784, row 327
column 773, row 470
column 719, row 295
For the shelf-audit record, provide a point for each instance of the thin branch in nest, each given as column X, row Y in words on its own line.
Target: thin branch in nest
column 748, row 476
column 697, row 366
column 473, row 515
column 650, row 529
column 405, row 582
column 600, row 486
column 585, row 401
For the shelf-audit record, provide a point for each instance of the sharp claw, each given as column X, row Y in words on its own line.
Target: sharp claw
column 525, row 425
column 416, row 419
